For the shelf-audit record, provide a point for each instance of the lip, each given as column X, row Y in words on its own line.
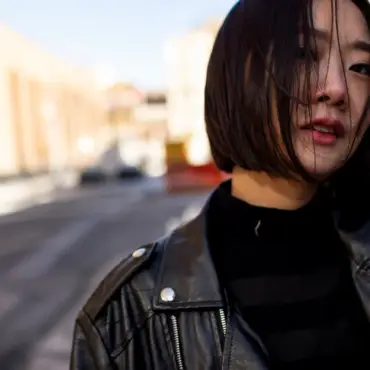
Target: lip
column 336, row 125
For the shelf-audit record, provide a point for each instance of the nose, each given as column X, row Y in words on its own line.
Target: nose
column 332, row 89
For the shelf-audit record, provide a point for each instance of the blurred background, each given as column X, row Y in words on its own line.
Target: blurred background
column 102, row 149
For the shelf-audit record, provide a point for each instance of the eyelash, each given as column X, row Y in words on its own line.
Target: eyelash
column 357, row 68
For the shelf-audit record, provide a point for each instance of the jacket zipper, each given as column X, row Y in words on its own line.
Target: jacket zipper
column 223, row 320
column 176, row 338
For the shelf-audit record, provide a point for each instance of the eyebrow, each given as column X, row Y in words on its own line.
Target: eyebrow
column 356, row 44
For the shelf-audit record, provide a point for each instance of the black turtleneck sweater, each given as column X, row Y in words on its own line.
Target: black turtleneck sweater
column 289, row 274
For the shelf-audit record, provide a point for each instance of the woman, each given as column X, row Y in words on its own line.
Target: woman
column 274, row 272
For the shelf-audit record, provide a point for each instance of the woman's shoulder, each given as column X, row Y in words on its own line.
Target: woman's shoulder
column 133, row 274
column 174, row 272
column 121, row 300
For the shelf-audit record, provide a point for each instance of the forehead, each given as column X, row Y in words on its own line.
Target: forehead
column 341, row 16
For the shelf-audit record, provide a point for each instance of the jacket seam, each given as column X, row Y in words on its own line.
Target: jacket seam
column 97, row 332
column 138, row 327
column 79, row 323
column 160, row 277
column 196, row 304
column 126, row 268
column 130, row 337
column 133, row 294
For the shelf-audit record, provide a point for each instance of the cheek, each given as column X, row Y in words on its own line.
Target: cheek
column 357, row 136
column 359, row 93
column 361, row 132
column 360, row 120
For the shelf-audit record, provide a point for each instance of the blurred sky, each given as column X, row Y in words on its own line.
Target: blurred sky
column 118, row 38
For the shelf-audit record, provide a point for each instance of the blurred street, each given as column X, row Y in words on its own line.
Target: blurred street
column 52, row 255
column 94, row 122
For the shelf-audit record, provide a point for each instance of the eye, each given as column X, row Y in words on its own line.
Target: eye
column 361, row 68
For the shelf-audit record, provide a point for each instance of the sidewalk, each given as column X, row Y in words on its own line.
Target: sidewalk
column 22, row 193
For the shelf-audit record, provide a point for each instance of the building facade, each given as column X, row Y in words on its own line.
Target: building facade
column 50, row 112
column 137, row 121
column 187, row 59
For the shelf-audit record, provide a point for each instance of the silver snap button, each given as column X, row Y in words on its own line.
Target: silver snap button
column 167, row 295
column 139, row 253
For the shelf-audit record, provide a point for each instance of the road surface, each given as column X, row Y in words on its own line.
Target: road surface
column 54, row 254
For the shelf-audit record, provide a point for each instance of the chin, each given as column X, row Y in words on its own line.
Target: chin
column 321, row 168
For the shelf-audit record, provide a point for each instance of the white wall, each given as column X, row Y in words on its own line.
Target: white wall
column 7, row 153
column 186, row 61
column 147, row 113
column 31, row 62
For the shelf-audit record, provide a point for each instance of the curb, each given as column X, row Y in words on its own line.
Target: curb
column 20, row 194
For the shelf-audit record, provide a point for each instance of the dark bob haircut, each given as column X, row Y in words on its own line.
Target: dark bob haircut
column 253, row 81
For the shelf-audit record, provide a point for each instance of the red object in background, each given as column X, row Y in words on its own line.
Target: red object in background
column 182, row 176
column 185, row 177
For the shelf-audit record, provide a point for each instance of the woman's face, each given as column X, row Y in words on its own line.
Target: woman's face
column 340, row 89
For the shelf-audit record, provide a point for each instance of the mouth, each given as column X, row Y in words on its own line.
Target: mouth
column 325, row 131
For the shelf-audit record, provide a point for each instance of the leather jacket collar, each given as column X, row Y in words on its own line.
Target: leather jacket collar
column 187, row 267
column 358, row 243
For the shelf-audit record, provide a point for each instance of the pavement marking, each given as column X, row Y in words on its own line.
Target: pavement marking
column 48, row 253
column 8, row 301
column 115, row 206
column 52, row 351
column 45, row 363
column 51, row 250
column 25, row 327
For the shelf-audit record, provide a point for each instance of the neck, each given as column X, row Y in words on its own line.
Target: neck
column 260, row 189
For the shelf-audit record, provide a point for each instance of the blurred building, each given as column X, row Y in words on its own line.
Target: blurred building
column 151, row 116
column 188, row 159
column 121, row 100
column 137, row 120
column 50, row 112
column 186, row 64
column 152, row 111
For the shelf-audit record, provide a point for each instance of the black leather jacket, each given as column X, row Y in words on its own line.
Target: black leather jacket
column 162, row 309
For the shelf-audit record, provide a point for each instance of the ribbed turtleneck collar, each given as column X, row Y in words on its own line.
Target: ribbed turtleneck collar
column 244, row 219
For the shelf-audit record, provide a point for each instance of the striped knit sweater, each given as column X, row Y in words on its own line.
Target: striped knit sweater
column 290, row 277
